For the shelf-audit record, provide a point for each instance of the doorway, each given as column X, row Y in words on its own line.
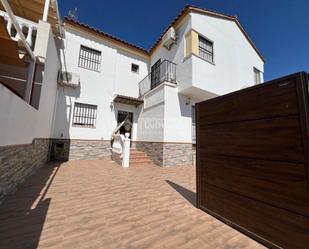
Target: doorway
column 127, row 118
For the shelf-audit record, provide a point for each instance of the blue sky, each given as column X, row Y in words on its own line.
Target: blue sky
column 279, row 28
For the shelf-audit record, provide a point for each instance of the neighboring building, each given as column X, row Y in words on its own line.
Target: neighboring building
column 29, row 64
column 202, row 54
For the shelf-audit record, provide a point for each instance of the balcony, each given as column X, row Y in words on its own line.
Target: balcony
column 164, row 72
column 28, row 28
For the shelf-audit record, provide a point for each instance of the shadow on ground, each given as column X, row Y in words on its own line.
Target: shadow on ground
column 189, row 195
column 23, row 213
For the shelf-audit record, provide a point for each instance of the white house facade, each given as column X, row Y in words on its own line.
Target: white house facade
column 201, row 55
column 69, row 91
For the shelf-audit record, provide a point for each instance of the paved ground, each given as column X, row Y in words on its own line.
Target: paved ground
column 96, row 204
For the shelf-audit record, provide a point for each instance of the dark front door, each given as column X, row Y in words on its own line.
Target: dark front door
column 127, row 126
column 155, row 74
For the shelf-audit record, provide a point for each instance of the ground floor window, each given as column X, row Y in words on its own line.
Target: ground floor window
column 84, row 115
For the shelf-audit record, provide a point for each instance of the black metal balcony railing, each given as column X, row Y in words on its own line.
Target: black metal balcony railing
column 164, row 72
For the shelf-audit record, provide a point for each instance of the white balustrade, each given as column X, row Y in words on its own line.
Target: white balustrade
column 121, row 146
column 24, row 24
column 126, row 151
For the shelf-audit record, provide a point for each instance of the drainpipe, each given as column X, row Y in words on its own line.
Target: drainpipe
column 28, row 90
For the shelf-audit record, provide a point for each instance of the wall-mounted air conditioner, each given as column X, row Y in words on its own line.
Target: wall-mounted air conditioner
column 68, row 79
column 169, row 38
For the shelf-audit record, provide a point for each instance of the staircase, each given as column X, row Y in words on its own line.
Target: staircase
column 139, row 157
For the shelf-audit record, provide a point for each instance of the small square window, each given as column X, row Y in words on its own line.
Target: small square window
column 134, row 68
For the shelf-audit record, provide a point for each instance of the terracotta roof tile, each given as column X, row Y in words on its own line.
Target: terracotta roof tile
column 72, row 21
column 184, row 11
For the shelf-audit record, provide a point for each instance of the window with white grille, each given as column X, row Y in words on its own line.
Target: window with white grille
column 205, row 49
column 89, row 58
column 84, row 115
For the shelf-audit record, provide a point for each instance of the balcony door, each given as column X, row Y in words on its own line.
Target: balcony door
column 155, row 74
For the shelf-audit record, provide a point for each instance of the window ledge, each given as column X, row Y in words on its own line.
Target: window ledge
column 212, row 63
column 82, row 126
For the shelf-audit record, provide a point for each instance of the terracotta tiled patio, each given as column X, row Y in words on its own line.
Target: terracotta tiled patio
column 98, row 204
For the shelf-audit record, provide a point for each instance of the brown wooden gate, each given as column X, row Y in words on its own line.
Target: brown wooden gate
column 253, row 161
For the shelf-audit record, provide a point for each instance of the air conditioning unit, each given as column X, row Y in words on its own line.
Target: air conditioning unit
column 68, row 79
column 169, row 38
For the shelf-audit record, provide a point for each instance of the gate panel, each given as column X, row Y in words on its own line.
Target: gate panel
column 252, row 160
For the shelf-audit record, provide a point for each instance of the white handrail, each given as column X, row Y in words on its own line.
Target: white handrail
column 11, row 15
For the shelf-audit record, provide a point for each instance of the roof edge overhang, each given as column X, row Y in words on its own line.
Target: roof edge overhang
column 108, row 37
column 127, row 100
column 177, row 21
column 192, row 9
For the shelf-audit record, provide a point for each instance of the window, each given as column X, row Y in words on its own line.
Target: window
column 134, row 68
column 89, row 58
column 257, row 76
column 84, row 115
column 205, row 48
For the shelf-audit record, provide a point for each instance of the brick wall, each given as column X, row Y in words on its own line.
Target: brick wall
column 167, row 154
column 71, row 149
column 18, row 162
column 154, row 150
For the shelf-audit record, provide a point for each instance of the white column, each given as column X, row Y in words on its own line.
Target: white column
column 46, row 8
column 126, row 151
column 30, row 78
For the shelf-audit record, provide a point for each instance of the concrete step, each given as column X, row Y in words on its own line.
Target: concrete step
column 133, row 155
column 141, row 161
column 139, row 157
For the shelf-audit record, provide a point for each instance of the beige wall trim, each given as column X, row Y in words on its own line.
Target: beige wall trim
column 191, row 41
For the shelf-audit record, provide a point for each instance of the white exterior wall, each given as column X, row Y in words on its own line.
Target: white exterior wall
column 165, row 116
column 18, row 119
column 176, row 54
column 150, row 126
column 177, row 117
column 197, row 79
column 234, row 57
column 97, row 88
column 49, row 85
column 20, row 122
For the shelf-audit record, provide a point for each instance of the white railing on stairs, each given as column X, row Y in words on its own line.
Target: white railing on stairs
column 121, row 146
column 28, row 28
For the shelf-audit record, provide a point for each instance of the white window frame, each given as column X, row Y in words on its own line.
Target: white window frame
column 255, row 73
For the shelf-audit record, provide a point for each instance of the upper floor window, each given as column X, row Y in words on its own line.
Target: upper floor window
column 84, row 115
column 134, row 68
column 89, row 58
column 257, row 76
column 205, row 48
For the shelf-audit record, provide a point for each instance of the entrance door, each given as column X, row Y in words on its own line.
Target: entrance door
column 127, row 126
column 155, row 74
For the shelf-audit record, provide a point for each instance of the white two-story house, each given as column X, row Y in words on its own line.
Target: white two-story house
column 202, row 54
